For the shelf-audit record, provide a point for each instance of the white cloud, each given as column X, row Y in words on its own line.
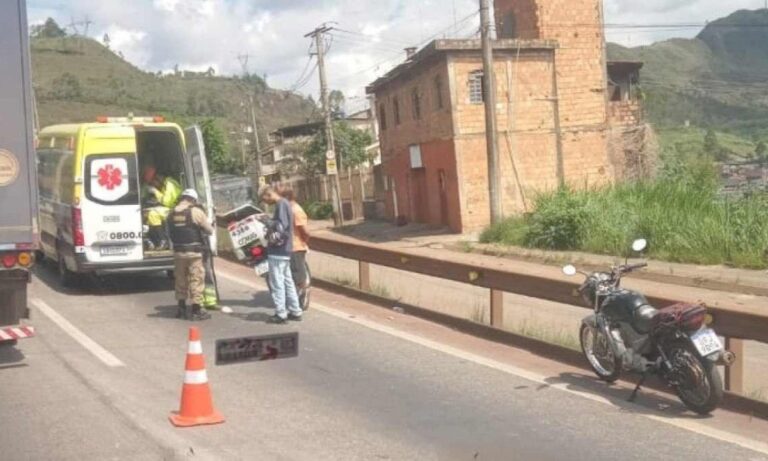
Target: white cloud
column 166, row 5
column 132, row 43
column 196, row 34
column 660, row 12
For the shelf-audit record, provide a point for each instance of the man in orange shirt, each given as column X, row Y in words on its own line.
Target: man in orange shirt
column 300, row 240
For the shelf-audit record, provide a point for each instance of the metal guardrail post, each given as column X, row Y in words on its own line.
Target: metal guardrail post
column 497, row 308
column 734, row 374
column 364, row 276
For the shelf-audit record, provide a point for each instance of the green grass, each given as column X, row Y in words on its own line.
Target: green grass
column 568, row 339
column 683, row 220
column 688, row 142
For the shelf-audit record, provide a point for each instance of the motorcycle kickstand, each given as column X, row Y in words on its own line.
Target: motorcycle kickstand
column 633, row 397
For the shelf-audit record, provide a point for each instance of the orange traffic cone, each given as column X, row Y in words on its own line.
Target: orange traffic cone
column 196, row 402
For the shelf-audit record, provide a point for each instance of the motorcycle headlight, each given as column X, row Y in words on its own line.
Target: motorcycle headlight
column 708, row 320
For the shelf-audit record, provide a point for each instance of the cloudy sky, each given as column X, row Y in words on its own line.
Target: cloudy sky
column 197, row 34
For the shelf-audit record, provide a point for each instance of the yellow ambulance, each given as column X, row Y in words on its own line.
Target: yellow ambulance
column 91, row 204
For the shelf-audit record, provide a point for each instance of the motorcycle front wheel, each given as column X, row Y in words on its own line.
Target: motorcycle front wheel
column 597, row 349
column 697, row 380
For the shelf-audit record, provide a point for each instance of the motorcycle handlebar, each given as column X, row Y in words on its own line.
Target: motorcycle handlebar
column 633, row 267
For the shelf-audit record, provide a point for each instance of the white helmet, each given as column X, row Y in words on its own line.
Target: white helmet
column 191, row 193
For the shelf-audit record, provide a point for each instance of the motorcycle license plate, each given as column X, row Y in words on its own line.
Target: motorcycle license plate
column 262, row 268
column 246, row 232
column 707, row 342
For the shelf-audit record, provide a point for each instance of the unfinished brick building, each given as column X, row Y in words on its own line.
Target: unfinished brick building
column 552, row 109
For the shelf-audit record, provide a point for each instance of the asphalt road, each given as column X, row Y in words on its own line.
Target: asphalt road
column 104, row 372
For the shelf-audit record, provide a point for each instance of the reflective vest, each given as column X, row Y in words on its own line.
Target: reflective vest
column 185, row 234
column 171, row 193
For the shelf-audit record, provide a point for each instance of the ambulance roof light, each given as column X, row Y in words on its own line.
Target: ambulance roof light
column 130, row 119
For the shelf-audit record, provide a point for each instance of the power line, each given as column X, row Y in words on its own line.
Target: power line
column 369, row 37
column 463, row 22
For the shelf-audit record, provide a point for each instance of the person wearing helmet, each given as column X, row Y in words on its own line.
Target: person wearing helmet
column 160, row 195
column 189, row 227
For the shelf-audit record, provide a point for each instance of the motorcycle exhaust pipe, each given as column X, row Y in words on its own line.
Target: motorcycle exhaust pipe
column 727, row 358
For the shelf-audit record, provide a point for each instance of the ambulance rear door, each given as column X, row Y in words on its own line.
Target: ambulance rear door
column 201, row 178
column 110, row 211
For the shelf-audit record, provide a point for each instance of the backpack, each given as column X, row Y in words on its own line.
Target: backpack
column 276, row 235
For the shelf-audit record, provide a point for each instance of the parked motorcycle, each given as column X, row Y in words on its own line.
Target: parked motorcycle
column 247, row 228
column 626, row 333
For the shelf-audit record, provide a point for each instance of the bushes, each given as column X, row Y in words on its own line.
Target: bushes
column 318, row 210
column 684, row 221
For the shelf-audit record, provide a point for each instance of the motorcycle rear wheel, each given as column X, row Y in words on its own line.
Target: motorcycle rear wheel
column 701, row 389
column 604, row 363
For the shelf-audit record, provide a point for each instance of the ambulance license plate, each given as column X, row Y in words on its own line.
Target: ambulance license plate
column 114, row 251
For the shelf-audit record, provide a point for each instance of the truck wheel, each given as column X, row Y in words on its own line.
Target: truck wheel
column 67, row 278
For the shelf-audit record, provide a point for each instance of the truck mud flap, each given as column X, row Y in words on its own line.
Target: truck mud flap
column 16, row 333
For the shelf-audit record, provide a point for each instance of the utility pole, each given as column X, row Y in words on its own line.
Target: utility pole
column 244, row 59
column 489, row 84
column 319, row 35
column 257, row 143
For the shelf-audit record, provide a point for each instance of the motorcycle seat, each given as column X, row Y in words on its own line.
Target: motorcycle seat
column 644, row 318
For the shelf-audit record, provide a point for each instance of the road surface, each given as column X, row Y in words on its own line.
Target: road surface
column 105, row 371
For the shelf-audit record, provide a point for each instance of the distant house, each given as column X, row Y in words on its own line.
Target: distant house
column 289, row 143
column 285, row 144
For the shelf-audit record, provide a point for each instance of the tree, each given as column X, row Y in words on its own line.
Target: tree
column 49, row 29
column 713, row 148
column 216, row 148
column 336, row 101
column 761, row 152
column 350, row 146
column 711, row 143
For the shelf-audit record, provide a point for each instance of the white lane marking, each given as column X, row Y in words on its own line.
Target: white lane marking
column 686, row 424
column 90, row 345
column 195, row 377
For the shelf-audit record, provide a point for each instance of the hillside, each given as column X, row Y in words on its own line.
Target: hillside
column 718, row 79
column 77, row 79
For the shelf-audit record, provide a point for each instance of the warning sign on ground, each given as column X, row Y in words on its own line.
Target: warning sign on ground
column 257, row 348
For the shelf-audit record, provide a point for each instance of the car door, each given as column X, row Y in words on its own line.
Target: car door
column 201, row 178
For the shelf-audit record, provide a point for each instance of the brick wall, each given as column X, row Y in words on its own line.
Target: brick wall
column 419, row 191
column 625, row 113
column 577, row 27
column 524, row 16
column 434, row 123
column 527, row 139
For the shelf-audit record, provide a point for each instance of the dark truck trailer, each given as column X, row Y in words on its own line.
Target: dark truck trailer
column 18, row 184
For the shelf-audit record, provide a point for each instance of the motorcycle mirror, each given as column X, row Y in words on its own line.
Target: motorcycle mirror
column 639, row 245
column 570, row 270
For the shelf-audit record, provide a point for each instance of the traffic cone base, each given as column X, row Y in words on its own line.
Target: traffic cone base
column 189, row 421
column 196, row 401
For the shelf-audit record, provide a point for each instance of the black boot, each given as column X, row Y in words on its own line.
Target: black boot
column 182, row 312
column 198, row 313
